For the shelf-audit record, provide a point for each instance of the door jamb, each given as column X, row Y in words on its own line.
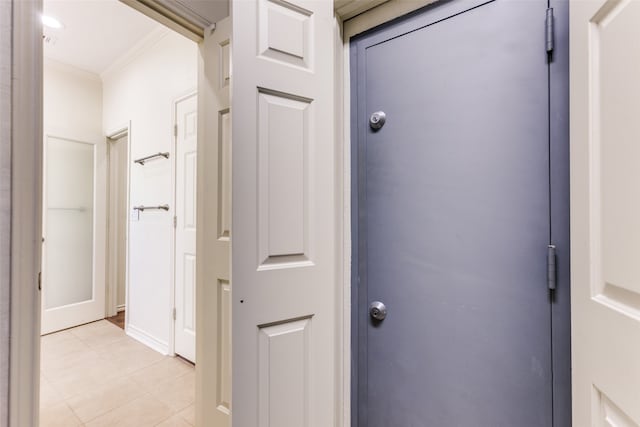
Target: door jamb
column 24, row 119
column 112, row 290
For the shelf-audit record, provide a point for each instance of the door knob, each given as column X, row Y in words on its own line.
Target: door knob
column 377, row 119
column 378, row 310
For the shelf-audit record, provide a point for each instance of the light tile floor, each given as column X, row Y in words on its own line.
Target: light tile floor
column 95, row 375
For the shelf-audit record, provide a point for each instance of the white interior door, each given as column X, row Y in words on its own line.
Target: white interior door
column 73, row 283
column 185, row 257
column 284, row 214
column 213, row 371
column 605, row 211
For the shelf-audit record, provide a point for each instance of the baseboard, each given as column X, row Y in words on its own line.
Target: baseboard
column 120, row 308
column 146, row 339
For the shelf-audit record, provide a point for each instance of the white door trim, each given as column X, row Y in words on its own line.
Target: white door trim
column 99, row 229
column 112, row 291
column 25, row 118
column 5, row 206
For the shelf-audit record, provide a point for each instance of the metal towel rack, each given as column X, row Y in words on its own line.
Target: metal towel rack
column 153, row 156
column 142, row 208
column 78, row 209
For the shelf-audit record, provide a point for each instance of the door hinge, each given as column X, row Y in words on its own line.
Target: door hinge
column 549, row 31
column 175, row 130
column 174, row 314
column 552, row 268
column 175, row 221
column 40, row 280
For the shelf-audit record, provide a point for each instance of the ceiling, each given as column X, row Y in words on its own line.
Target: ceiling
column 96, row 32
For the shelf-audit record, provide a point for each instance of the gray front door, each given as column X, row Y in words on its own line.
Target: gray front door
column 452, row 219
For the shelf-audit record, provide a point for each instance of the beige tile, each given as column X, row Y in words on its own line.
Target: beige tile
column 85, row 376
column 98, row 334
column 59, row 345
column 59, row 415
column 53, row 367
column 189, row 414
column 49, row 396
column 154, row 375
column 174, row 421
column 104, row 398
column 55, row 337
column 177, row 393
column 145, row 411
column 130, row 356
column 55, row 352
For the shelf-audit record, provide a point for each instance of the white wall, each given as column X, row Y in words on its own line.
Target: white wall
column 143, row 91
column 72, row 102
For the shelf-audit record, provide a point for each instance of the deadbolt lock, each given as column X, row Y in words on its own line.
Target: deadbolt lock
column 377, row 120
column 377, row 310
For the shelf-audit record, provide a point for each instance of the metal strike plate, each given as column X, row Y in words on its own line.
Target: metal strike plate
column 377, row 310
column 377, row 120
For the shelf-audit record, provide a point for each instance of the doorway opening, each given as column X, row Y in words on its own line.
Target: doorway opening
column 118, row 288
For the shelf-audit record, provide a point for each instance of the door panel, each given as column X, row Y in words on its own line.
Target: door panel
column 454, row 219
column 185, row 280
column 213, row 300
column 73, row 261
column 284, row 213
column 605, row 102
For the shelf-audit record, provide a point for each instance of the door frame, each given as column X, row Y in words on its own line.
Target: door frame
column 99, row 229
column 560, row 203
column 112, row 290
column 22, row 119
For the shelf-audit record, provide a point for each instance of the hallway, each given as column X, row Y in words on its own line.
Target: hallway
column 95, row 375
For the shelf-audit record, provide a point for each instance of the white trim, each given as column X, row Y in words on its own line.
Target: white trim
column 119, row 132
column 70, row 69
column 26, row 212
column 54, row 317
column 5, row 204
column 138, row 49
column 127, row 313
column 347, row 9
column 112, row 307
column 175, row 15
column 147, row 339
column 343, row 253
column 379, row 15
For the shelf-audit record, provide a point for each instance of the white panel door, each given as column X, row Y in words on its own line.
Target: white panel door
column 185, row 222
column 213, row 371
column 284, row 218
column 605, row 211
column 74, row 217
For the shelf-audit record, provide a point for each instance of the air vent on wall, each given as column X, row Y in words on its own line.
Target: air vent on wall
column 49, row 39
